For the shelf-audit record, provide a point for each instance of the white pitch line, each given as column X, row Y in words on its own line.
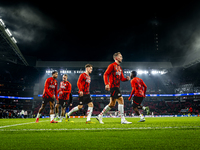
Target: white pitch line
column 17, row 124
column 91, row 129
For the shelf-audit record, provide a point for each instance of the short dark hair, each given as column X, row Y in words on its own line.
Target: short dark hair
column 116, row 54
column 133, row 74
column 65, row 75
column 88, row 65
column 55, row 71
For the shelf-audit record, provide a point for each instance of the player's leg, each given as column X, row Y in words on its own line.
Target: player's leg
column 120, row 101
column 136, row 102
column 75, row 109
column 144, row 108
column 51, row 104
column 62, row 113
column 138, row 113
column 89, row 112
column 41, row 110
column 80, row 106
column 109, row 106
column 114, row 94
column 44, row 103
column 106, row 109
column 57, row 108
column 57, row 111
column 71, row 111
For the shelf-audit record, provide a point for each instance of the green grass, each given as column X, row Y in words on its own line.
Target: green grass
column 155, row 133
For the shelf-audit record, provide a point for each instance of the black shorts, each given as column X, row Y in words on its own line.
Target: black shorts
column 46, row 100
column 85, row 99
column 115, row 93
column 136, row 101
column 63, row 103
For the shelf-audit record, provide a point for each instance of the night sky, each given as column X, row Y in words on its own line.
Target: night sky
column 141, row 31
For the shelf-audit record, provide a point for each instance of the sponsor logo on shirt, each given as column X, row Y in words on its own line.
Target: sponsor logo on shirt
column 118, row 70
column 88, row 80
column 62, row 87
column 52, row 86
column 118, row 73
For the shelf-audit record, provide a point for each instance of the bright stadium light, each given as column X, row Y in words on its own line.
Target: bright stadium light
column 80, row 71
column 127, row 71
column 158, row 72
column 139, row 71
column 48, row 71
column 154, row 72
column 8, row 32
column 13, row 39
column 62, row 71
column 2, row 23
column 65, row 71
column 142, row 72
column 162, row 72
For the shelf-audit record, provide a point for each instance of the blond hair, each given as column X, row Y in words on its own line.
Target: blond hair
column 116, row 54
column 88, row 65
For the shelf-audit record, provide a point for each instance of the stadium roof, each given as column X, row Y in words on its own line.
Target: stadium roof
column 9, row 51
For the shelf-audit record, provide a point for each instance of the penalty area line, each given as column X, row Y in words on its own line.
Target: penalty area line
column 92, row 129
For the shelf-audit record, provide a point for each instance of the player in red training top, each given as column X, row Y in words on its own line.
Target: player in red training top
column 64, row 97
column 139, row 91
column 115, row 74
column 49, row 95
column 84, row 93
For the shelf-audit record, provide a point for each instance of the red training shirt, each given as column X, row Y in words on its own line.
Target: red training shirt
column 84, row 83
column 115, row 74
column 138, row 87
column 66, row 88
column 50, row 88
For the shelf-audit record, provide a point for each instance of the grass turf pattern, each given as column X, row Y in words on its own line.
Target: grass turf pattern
column 154, row 133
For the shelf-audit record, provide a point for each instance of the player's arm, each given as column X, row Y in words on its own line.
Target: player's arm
column 133, row 90
column 46, row 85
column 123, row 78
column 145, row 88
column 105, row 76
column 56, row 91
column 80, row 85
column 69, row 89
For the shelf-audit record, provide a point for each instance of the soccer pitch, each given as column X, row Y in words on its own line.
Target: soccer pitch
column 154, row 133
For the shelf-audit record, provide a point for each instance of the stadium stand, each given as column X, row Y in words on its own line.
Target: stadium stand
column 18, row 80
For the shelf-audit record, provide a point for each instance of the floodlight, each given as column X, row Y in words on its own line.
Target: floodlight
column 13, row 39
column 62, row 71
column 2, row 23
column 142, row 72
column 154, row 72
column 48, row 71
column 8, row 32
column 139, row 71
